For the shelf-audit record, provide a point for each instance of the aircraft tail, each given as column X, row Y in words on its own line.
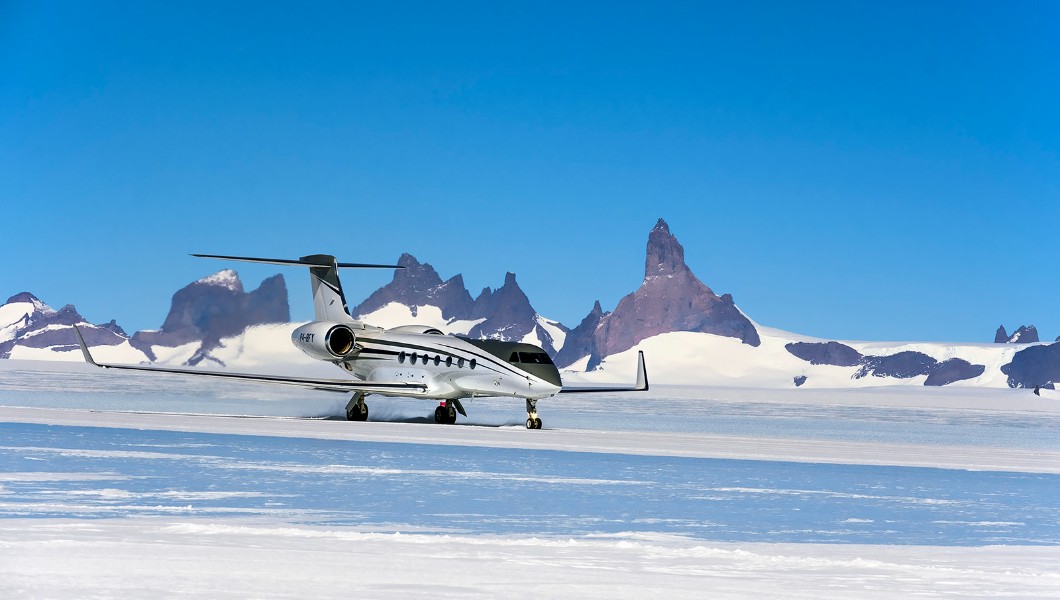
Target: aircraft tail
column 329, row 303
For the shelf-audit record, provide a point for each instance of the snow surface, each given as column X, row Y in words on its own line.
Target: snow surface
column 11, row 316
column 680, row 492
column 226, row 278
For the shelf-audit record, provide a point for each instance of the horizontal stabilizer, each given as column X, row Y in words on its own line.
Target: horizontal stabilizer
column 640, row 386
column 316, row 260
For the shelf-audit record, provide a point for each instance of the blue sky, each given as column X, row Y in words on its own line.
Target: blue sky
column 848, row 170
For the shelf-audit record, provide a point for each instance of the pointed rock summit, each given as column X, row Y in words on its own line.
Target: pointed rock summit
column 1001, row 336
column 665, row 255
column 671, row 298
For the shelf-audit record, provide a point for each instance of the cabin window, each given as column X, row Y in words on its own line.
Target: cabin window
column 437, row 360
column 460, row 362
column 535, row 358
column 448, row 361
column 472, row 363
column 401, row 357
column 425, row 358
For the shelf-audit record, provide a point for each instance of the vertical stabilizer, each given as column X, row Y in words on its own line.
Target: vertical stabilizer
column 329, row 303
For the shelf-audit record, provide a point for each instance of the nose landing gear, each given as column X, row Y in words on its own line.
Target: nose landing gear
column 532, row 420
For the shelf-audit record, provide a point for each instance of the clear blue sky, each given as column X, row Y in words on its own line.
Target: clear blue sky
column 848, row 170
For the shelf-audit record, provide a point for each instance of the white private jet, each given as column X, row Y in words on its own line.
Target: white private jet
column 413, row 361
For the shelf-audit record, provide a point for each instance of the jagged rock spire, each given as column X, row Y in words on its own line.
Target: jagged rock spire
column 671, row 298
column 665, row 255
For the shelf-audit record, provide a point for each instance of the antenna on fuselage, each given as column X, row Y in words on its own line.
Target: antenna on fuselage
column 329, row 303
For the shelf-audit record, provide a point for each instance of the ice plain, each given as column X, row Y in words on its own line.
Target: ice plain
column 135, row 485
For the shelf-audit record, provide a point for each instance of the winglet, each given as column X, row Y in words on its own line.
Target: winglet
column 642, row 373
column 84, row 348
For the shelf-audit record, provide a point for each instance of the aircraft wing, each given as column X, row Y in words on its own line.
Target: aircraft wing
column 640, row 386
column 331, row 385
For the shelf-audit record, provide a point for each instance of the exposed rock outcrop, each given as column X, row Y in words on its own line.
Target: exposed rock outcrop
column 954, row 369
column 1034, row 366
column 902, row 365
column 825, row 353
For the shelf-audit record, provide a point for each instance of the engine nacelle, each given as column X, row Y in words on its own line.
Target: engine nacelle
column 325, row 340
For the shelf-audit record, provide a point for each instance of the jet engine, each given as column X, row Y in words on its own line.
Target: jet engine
column 325, row 340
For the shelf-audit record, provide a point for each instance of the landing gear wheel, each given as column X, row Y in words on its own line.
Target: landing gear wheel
column 532, row 420
column 450, row 414
column 439, row 415
column 356, row 409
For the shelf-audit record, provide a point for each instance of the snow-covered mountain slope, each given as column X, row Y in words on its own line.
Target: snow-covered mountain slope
column 687, row 358
column 30, row 329
column 689, row 334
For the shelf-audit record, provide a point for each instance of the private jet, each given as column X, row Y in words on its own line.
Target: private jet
column 413, row 361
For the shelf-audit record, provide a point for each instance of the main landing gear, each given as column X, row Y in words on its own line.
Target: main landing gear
column 445, row 413
column 532, row 420
column 356, row 409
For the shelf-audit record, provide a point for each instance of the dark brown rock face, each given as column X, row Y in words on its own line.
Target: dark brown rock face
column 1034, row 366
column 213, row 308
column 825, row 353
column 669, row 299
column 1026, row 334
column 581, row 341
column 1001, row 336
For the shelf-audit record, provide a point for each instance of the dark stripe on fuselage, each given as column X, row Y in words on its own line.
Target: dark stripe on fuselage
column 485, row 356
column 481, row 349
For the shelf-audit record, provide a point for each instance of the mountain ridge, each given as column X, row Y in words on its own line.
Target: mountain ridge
column 209, row 317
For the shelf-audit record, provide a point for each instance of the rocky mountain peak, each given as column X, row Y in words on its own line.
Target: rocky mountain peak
column 665, row 255
column 1026, row 334
column 418, row 284
column 508, row 303
column 216, row 307
column 24, row 297
column 671, row 298
column 41, row 326
column 1001, row 336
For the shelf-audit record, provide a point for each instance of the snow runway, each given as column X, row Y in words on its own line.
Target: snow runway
column 409, row 485
column 99, row 503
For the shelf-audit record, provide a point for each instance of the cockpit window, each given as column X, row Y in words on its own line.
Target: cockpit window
column 514, row 358
column 534, row 358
